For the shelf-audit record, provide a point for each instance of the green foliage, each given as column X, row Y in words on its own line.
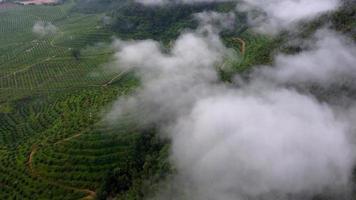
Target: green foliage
column 162, row 23
column 139, row 175
column 51, row 104
column 343, row 20
column 53, row 91
column 98, row 6
column 259, row 50
column 76, row 54
column 54, row 143
column 6, row 107
column 43, row 121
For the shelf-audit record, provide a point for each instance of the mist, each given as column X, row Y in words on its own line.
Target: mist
column 42, row 28
column 268, row 17
column 260, row 137
column 273, row 16
column 188, row 68
column 271, row 142
column 329, row 60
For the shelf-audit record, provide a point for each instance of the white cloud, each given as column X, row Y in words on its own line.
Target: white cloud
column 329, row 61
column 185, row 69
column 261, row 140
column 215, row 20
column 42, row 28
column 243, row 145
column 278, row 15
column 234, row 143
column 270, row 16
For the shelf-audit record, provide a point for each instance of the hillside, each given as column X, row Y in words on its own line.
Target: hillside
column 58, row 82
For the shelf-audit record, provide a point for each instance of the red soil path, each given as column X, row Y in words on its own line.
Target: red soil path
column 242, row 44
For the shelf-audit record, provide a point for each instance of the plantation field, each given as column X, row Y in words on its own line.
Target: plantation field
column 30, row 62
column 54, row 89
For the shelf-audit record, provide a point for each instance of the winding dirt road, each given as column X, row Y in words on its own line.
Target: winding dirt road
column 242, row 44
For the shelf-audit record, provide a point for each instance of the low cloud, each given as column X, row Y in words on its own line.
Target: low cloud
column 330, row 60
column 255, row 141
column 216, row 21
column 186, row 69
column 275, row 15
column 272, row 16
column 248, row 145
column 42, row 28
column 260, row 138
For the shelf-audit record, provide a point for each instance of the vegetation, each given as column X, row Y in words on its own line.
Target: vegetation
column 159, row 23
column 53, row 91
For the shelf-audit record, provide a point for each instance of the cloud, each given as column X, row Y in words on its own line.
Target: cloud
column 261, row 138
column 272, row 16
column 329, row 61
column 42, row 28
column 243, row 145
column 235, row 143
column 185, row 69
column 216, row 21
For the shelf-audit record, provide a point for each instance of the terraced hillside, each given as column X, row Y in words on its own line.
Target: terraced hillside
column 31, row 63
column 52, row 91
